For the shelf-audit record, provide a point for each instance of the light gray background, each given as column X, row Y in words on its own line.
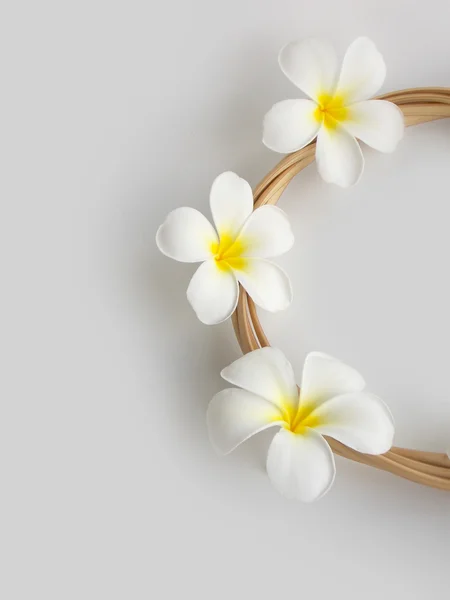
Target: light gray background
column 114, row 113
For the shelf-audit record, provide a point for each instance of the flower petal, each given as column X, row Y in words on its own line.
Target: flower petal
column 363, row 71
column 325, row 377
column 235, row 415
column 311, row 65
column 186, row 235
column 267, row 373
column 339, row 157
column 266, row 233
column 300, row 466
column 377, row 123
column 266, row 283
column 290, row 125
column 231, row 201
column 360, row 420
column 213, row 293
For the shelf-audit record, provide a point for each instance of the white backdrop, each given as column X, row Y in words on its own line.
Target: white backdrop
column 113, row 113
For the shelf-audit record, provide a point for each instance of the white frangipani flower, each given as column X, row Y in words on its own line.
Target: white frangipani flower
column 331, row 402
column 339, row 110
column 235, row 253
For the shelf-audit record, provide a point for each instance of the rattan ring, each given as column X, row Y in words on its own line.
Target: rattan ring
column 419, row 105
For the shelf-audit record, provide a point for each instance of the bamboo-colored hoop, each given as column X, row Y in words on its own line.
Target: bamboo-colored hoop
column 419, row 105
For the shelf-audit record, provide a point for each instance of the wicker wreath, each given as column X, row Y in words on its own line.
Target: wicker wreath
column 331, row 412
column 419, row 105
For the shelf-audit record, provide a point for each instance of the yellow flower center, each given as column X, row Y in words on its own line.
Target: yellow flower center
column 228, row 252
column 298, row 419
column 331, row 110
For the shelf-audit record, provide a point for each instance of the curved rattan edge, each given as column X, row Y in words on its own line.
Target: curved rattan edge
column 419, row 105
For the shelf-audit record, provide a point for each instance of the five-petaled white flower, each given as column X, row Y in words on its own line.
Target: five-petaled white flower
column 235, row 254
column 331, row 402
column 339, row 110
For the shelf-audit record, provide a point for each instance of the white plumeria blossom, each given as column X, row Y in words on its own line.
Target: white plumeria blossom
column 332, row 401
column 339, row 109
column 236, row 251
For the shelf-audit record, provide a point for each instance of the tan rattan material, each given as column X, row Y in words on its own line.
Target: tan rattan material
column 419, row 105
